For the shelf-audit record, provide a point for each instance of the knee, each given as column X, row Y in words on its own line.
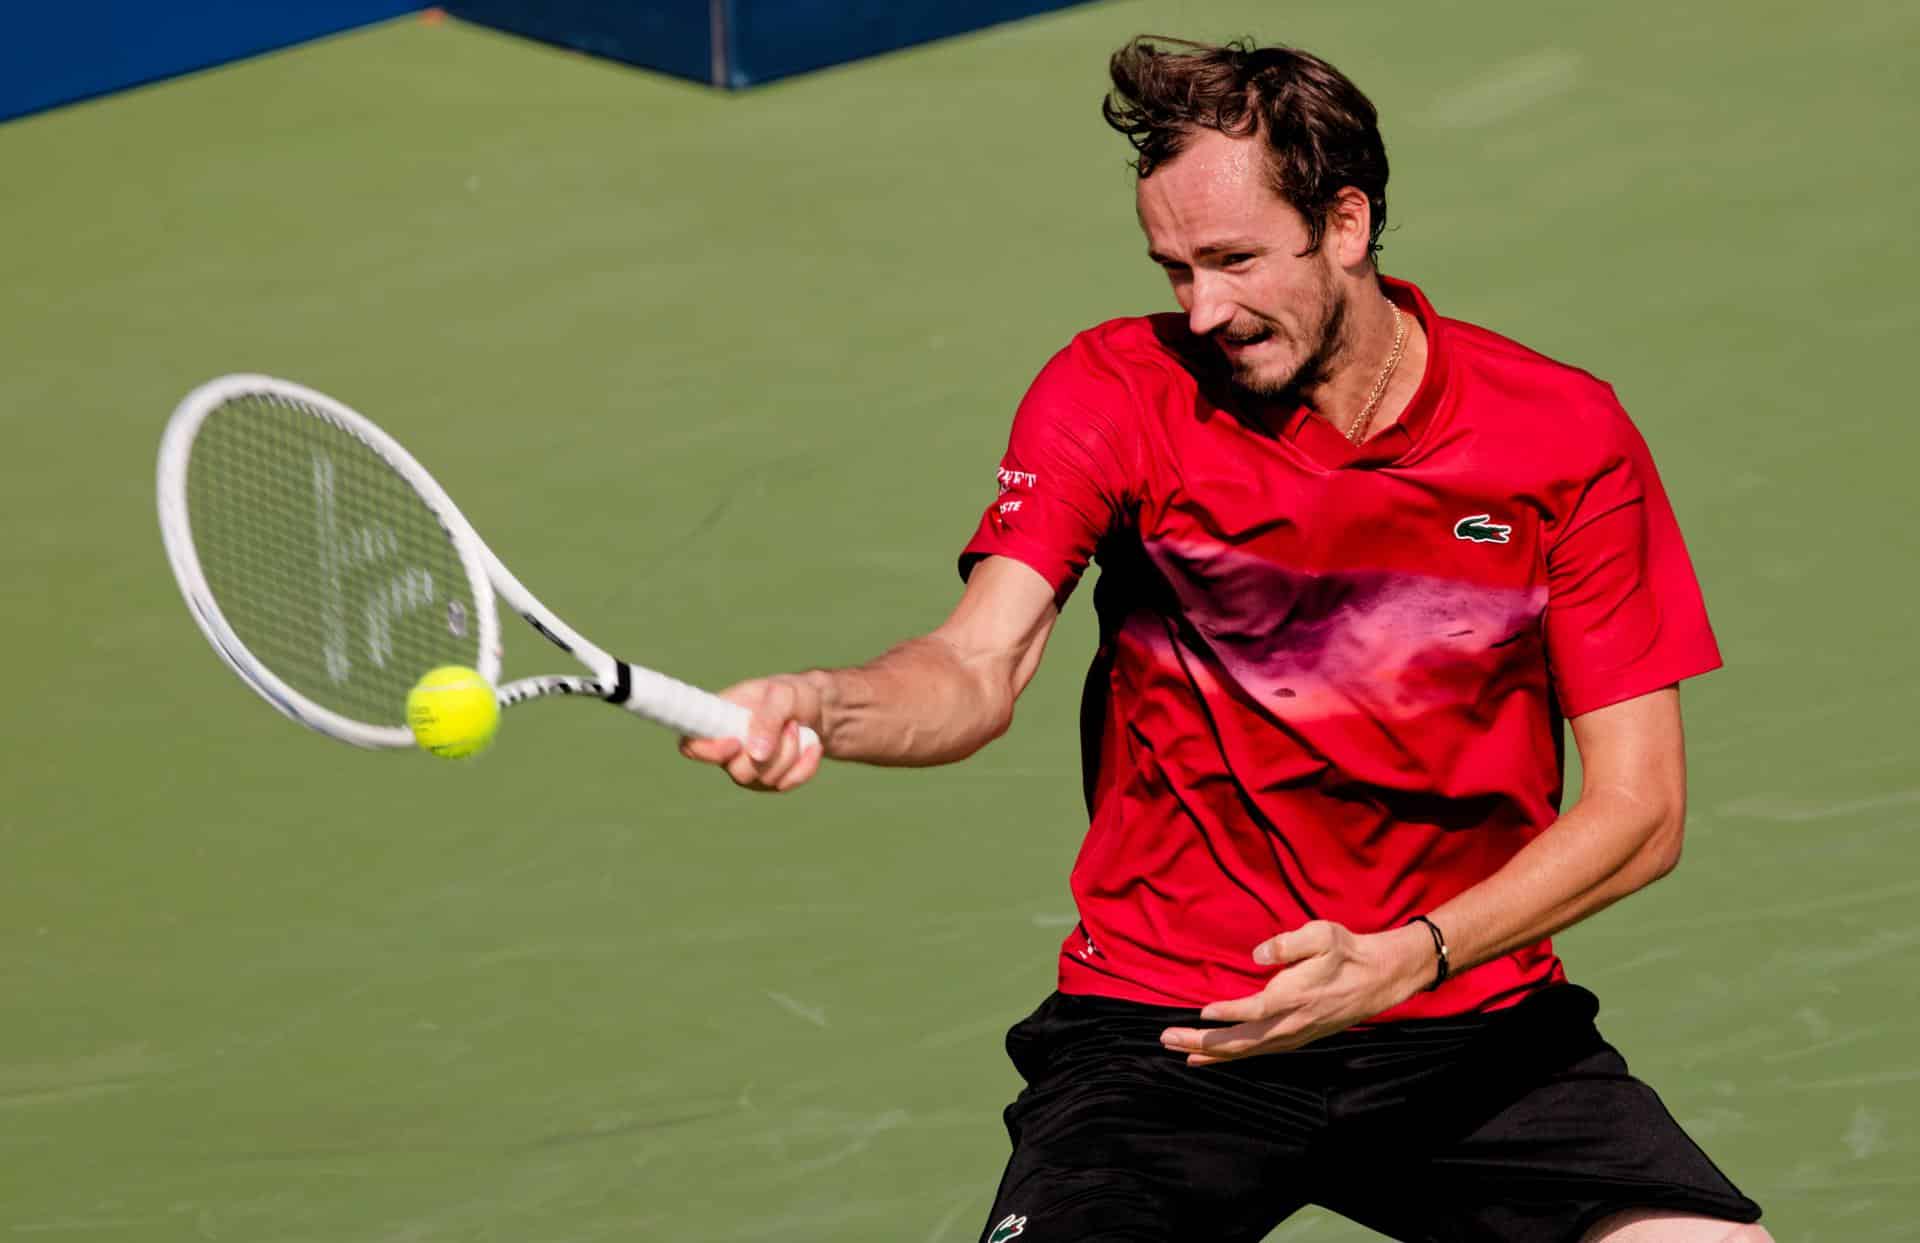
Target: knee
column 1655, row 1226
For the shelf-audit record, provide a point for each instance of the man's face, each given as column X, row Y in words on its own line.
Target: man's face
column 1231, row 247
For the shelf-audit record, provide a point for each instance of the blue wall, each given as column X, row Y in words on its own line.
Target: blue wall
column 759, row 40
column 56, row 51
column 668, row 35
column 774, row 38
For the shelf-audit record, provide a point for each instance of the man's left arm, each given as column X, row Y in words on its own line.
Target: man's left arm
column 1621, row 836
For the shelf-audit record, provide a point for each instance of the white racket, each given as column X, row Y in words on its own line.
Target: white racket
column 330, row 571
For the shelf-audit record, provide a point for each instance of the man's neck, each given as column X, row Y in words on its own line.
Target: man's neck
column 1366, row 350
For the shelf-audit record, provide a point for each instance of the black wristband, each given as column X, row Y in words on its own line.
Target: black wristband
column 1444, row 968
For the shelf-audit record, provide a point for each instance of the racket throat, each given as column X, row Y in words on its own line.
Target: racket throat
column 622, row 683
column 547, row 634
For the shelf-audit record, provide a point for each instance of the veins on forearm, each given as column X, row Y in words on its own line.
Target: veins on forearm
column 916, row 704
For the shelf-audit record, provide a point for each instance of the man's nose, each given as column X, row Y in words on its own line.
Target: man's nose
column 1211, row 307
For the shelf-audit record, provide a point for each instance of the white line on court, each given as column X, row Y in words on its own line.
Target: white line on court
column 864, row 1133
column 1797, row 811
column 1875, row 1080
column 1832, row 1042
column 815, row 1015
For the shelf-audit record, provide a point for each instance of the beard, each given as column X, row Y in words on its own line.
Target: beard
column 1325, row 340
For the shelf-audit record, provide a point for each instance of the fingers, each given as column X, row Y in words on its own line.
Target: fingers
column 1305, row 941
column 1325, row 987
column 720, row 751
column 803, row 768
column 780, row 763
column 769, row 756
column 1260, row 1005
column 1204, row 1045
column 711, row 750
column 770, row 718
column 1253, row 1017
column 743, row 770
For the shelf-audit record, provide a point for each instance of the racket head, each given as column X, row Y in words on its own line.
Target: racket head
column 322, row 562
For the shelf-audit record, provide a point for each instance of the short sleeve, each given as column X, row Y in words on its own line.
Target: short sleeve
column 1624, row 612
column 1062, row 483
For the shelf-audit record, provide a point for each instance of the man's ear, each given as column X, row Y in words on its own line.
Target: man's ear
column 1349, row 235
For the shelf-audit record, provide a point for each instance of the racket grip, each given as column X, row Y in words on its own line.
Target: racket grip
column 690, row 710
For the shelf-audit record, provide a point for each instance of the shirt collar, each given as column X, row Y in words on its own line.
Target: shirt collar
column 1318, row 438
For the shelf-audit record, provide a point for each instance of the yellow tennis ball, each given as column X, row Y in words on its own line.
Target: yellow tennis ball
column 452, row 712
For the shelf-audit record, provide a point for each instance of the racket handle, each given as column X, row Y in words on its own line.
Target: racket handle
column 687, row 709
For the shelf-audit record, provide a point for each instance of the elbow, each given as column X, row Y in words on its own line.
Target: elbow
column 1661, row 855
column 1666, row 858
column 998, row 716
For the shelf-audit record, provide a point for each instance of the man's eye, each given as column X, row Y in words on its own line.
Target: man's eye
column 1236, row 261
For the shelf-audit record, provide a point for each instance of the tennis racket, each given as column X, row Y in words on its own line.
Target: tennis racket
column 330, row 571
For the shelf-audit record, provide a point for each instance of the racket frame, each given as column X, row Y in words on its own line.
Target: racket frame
column 661, row 699
column 176, row 530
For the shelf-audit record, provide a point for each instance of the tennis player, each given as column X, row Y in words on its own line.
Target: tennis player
column 1359, row 564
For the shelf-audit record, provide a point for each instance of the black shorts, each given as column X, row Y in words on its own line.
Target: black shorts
column 1518, row 1125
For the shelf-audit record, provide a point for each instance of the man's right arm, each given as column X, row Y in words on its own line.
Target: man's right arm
column 930, row 700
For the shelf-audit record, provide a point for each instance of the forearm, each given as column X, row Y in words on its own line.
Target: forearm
column 1596, row 854
column 1608, row 846
column 920, row 703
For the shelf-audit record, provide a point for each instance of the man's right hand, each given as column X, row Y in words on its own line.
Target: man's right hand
column 770, row 757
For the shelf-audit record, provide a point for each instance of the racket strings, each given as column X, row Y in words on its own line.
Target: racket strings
column 323, row 559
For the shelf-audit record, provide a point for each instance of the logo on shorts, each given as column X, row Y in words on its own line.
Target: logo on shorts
column 1481, row 529
column 1010, row 1227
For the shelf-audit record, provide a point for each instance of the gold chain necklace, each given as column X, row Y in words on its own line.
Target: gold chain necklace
column 1359, row 428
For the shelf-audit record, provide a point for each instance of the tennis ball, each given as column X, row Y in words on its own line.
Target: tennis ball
column 452, row 712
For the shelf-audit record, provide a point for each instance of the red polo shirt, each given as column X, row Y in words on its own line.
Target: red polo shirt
column 1331, row 680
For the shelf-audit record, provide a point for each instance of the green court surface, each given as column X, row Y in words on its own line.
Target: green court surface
column 725, row 379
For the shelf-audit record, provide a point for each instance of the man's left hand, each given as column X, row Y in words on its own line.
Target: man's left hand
column 1330, row 979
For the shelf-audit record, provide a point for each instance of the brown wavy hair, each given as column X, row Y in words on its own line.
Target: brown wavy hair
column 1322, row 134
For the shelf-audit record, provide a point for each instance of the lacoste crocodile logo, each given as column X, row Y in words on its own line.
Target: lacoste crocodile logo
column 1481, row 529
column 1010, row 1227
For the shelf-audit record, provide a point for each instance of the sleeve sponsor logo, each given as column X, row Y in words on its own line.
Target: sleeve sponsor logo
column 1012, row 481
column 1008, row 1227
